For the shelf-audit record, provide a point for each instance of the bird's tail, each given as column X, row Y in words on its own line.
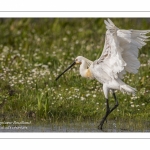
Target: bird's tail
column 127, row 89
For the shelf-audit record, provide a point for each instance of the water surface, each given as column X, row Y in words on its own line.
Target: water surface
column 110, row 126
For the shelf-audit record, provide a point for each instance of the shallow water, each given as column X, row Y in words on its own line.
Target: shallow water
column 110, row 126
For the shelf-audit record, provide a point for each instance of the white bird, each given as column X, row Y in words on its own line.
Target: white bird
column 119, row 56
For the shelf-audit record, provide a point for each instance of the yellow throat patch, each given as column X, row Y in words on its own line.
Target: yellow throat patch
column 88, row 74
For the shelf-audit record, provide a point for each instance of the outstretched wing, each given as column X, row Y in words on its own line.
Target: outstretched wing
column 121, row 50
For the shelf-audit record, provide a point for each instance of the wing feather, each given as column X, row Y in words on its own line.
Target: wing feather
column 121, row 48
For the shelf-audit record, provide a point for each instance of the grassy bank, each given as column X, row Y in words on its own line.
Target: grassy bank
column 34, row 51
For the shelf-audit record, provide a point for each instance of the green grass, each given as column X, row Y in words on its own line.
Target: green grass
column 34, row 51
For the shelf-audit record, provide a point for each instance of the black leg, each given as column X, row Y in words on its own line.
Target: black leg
column 108, row 111
column 116, row 101
column 105, row 117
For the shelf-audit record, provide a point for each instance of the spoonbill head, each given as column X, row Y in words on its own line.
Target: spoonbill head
column 84, row 67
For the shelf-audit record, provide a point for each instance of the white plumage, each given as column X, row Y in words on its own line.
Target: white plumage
column 120, row 55
column 121, row 49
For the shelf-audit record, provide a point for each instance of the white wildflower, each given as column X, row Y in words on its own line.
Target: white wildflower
column 94, row 95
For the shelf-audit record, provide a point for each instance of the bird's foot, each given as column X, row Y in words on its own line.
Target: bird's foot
column 100, row 127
